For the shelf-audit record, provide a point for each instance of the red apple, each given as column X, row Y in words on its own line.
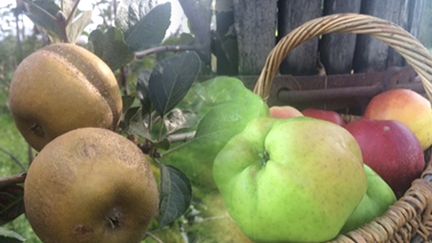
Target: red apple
column 405, row 106
column 330, row 116
column 284, row 112
column 391, row 149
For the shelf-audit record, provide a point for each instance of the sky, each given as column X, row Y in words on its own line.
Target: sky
column 178, row 19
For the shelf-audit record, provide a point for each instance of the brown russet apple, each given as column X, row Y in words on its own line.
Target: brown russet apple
column 391, row 149
column 284, row 112
column 90, row 185
column 62, row 87
column 325, row 115
column 406, row 106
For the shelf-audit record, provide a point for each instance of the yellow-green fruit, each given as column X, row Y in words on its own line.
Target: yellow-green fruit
column 60, row 88
column 90, row 185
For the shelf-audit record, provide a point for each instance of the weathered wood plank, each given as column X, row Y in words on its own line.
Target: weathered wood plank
column 372, row 54
column 400, row 16
column 293, row 13
column 337, row 50
column 255, row 25
column 416, row 11
column 224, row 39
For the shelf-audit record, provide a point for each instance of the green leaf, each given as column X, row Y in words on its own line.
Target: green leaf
column 11, row 202
column 150, row 30
column 176, row 194
column 67, row 6
column 111, row 47
column 143, row 92
column 127, row 101
column 77, row 26
column 203, row 96
column 171, row 80
column 43, row 13
column 8, row 236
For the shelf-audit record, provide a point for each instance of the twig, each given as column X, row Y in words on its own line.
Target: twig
column 142, row 54
column 13, row 158
column 181, row 137
column 154, row 237
column 5, row 181
column 72, row 13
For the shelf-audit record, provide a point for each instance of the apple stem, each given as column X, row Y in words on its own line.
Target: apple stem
column 264, row 158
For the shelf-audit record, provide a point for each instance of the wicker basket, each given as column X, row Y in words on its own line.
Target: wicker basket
column 410, row 218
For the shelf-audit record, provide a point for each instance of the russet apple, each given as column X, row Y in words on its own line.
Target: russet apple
column 325, row 115
column 405, row 106
column 62, row 87
column 391, row 150
column 90, row 185
column 293, row 180
column 284, row 112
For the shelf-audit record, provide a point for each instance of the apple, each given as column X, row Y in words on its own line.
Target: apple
column 330, row 116
column 391, row 150
column 293, row 180
column 229, row 106
column 378, row 198
column 90, row 185
column 284, row 112
column 405, row 106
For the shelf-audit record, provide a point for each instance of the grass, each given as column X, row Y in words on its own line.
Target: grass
column 12, row 141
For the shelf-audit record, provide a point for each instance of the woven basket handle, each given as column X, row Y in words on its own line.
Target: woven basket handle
column 403, row 42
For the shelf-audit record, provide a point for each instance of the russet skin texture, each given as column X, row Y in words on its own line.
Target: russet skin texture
column 90, row 185
column 283, row 179
column 62, row 87
column 405, row 106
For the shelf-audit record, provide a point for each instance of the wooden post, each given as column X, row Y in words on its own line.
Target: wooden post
column 374, row 55
column 400, row 16
column 255, row 25
column 337, row 50
column 224, row 43
column 416, row 10
column 293, row 13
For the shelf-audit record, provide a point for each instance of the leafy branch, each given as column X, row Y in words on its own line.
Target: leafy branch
column 18, row 179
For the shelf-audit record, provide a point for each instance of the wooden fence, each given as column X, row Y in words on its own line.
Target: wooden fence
column 247, row 30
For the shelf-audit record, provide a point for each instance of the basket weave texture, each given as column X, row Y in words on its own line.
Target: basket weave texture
column 410, row 218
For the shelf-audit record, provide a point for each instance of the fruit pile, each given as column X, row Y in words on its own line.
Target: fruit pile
column 311, row 176
column 88, row 183
column 284, row 175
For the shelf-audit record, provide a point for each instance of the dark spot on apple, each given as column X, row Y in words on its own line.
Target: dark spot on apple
column 114, row 218
column 37, row 130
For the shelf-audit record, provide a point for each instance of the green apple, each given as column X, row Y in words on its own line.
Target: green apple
column 226, row 115
column 291, row 180
column 378, row 198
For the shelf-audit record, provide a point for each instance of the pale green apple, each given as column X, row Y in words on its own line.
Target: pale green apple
column 378, row 198
column 294, row 180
